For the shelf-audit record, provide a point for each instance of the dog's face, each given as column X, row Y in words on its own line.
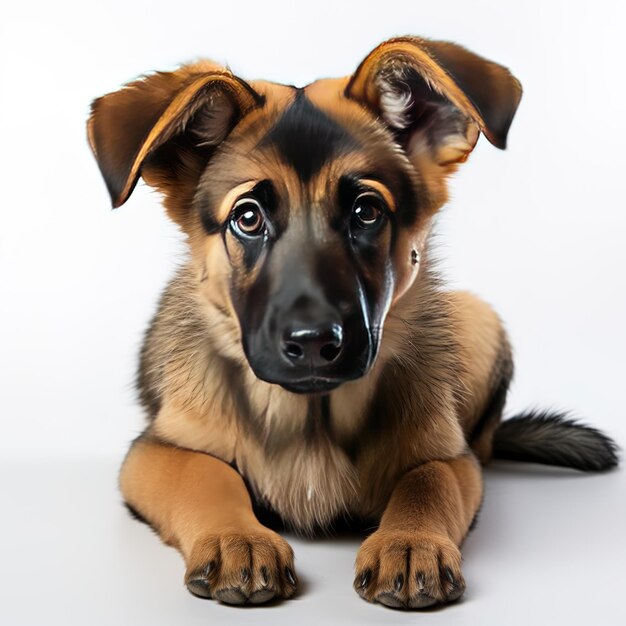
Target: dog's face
column 306, row 209
column 307, row 200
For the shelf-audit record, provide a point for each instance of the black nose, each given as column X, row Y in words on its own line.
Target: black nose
column 318, row 345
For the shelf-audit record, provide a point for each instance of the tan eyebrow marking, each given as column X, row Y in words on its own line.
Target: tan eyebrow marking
column 230, row 198
column 382, row 190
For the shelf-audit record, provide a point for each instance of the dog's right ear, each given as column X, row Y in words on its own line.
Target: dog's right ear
column 131, row 128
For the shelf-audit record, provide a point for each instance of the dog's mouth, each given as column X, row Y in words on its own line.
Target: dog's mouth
column 312, row 386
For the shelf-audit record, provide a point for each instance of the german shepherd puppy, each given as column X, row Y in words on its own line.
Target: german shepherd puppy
column 305, row 358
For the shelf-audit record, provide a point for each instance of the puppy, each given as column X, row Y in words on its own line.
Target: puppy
column 305, row 360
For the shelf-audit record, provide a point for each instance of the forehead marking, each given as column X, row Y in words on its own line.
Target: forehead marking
column 231, row 197
column 306, row 138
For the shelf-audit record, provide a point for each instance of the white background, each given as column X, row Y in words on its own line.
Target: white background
column 537, row 230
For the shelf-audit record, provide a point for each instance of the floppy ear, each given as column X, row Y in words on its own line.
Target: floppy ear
column 436, row 97
column 162, row 122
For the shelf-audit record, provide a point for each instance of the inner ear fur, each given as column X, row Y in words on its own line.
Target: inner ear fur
column 436, row 97
column 165, row 125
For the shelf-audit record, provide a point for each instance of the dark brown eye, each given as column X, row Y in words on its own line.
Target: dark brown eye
column 248, row 217
column 367, row 212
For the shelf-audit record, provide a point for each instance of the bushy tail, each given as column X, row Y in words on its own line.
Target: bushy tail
column 554, row 439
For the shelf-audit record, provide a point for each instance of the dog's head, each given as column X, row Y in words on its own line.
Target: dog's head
column 306, row 208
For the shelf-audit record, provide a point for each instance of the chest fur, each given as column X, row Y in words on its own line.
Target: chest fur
column 311, row 459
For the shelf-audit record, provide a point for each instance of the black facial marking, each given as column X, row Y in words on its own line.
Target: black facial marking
column 307, row 138
column 348, row 189
column 253, row 250
column 368, row 249
column 209, row 223
column 251, row 302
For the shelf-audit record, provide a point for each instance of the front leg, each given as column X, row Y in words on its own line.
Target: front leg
column 200, row 505
column 413, row 559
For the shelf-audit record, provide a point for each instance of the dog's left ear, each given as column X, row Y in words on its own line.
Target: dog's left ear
column 436, row 97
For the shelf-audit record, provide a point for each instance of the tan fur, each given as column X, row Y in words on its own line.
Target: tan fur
column 201, row 506
column 413, row 559
column 480, row 335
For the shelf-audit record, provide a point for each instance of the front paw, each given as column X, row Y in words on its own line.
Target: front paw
column 237, row 566
column 410, row 570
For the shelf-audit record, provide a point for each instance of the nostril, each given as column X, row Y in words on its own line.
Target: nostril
column 329, row 352
column 293, row 350
column 331, row 345
column 317, row 345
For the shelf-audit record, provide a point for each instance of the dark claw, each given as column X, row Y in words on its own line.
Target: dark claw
column 421, row 581
column 245, row 575
column 291, row 579
column 398, row 582
column 456, row 586
column 265, row 578
column 449, row 576
column 365, row 578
